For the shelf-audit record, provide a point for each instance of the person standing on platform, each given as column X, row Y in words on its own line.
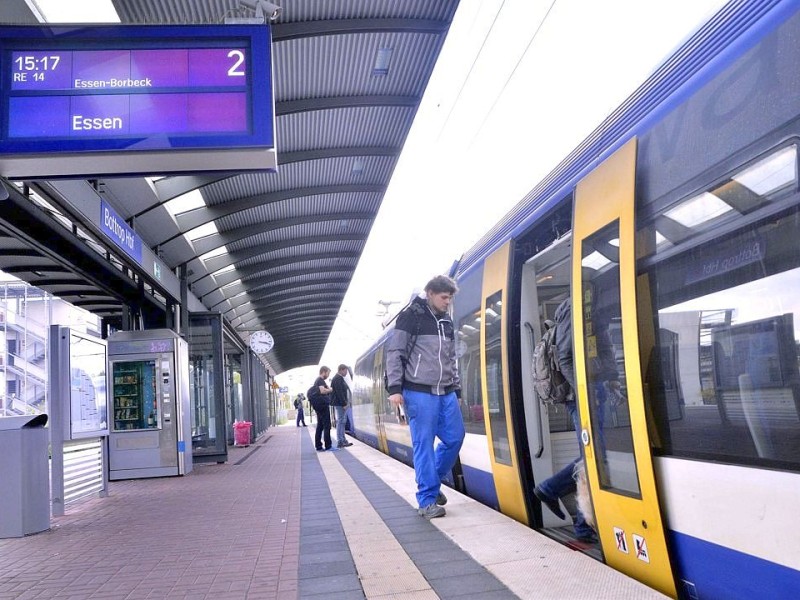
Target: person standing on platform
column 298, row 404
column 340, row 400
column 422, row 375
column 320, row 402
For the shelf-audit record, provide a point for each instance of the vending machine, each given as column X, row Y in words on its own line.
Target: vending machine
column 150, row 422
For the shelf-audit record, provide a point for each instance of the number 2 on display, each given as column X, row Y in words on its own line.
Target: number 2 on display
column 235, row 70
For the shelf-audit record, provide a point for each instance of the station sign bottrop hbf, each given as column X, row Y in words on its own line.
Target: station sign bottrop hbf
column 89, row 100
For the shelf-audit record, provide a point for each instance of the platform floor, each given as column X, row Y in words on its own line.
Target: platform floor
column 281, row 520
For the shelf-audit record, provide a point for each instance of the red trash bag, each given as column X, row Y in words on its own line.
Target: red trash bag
column 241, row 433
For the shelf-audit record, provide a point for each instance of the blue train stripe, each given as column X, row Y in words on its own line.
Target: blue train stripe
column 708, row 571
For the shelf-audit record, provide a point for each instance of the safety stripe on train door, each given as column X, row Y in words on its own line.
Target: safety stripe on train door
column 618, row 457
column 495, row 386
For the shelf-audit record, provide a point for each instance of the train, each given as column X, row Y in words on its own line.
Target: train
column 675, row 227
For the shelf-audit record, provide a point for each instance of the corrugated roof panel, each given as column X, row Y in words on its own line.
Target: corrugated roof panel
column 343, row 128
column 342, row 65
column 317, row 264
column 305, row 250
column 331, row 228
column 305, row 206
column 314, row 10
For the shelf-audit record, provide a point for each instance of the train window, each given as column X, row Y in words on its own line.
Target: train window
column 468, row 350
column 605, row 356
column 723, row 377
column 495, row 396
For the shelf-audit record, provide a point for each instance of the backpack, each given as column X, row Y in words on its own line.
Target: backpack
column 318, row 401
column 297, row 403
column 548, row 382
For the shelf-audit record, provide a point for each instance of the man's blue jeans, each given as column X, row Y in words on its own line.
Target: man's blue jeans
column 562, row 483
column 430, row 416
column 341, row 419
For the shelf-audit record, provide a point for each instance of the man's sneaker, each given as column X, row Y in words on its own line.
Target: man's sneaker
column 333, row 449
column 441, row 499
column 345, row 444
column 587, row 537
column 432, row 511
column 551, row 503
column 320, row 449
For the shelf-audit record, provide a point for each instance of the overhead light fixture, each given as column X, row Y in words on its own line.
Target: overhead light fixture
column 595, row 261
column 698, row 210
column 771, row 174
column 382, row 59
column 185, row 203
column 357, row 168
column 224, row 270
column 215, row 252
column 202, row 231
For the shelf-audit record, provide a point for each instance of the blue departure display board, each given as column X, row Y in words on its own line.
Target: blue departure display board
column 105, row 100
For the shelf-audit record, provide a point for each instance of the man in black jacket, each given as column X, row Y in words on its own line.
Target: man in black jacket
column 321, row 404
column 339, row 401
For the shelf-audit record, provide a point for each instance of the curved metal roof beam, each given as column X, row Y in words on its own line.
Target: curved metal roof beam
column 275, row 320
column 231, row 236
column 306, row 29
column 264, row 300
column 310, row 322
column 293, row 298
column 288, row 303
column 267, row 266
column 200, row 216
column 302, row 330
column 231, row 258
column 291, row 313
column 237, row 298
column 264, row 314
column 289, row 286
column 169, row 188
column 254, row 284
column 289, row 107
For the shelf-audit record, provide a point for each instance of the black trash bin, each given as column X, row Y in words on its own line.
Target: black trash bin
column 25, row 476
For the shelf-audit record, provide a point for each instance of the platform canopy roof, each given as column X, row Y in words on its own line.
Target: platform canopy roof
column 283, row 246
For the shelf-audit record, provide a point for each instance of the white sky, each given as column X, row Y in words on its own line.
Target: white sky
column 505, row 104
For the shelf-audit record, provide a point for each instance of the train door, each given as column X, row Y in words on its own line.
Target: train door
column 613, row 424
column 495, row 383
column 552, row 439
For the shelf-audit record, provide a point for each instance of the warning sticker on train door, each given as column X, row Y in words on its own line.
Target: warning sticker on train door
column 619, row 538
column 640, row 546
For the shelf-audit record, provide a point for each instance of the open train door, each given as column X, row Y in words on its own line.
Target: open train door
column 495, row 382
column 614, row 429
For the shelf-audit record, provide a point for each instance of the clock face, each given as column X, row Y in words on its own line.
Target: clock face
column 261, row 342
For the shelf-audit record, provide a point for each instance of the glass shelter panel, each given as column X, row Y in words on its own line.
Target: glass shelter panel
column 207, row 385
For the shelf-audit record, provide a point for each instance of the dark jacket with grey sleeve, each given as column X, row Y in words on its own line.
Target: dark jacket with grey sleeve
column 420, row 352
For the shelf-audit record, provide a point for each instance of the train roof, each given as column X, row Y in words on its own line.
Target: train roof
column 733, row 29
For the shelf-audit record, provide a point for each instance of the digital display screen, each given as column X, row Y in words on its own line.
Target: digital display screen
column 135, row 88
